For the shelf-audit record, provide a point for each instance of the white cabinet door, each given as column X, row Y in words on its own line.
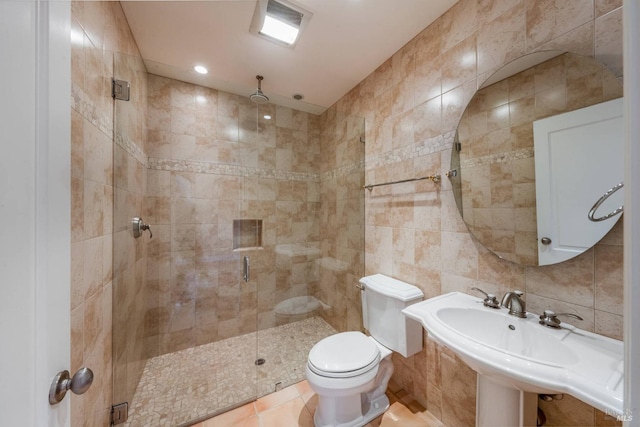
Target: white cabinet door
column 34, row 209
column 579, row 156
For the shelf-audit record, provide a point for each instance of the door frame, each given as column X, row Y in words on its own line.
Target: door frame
column 35, row 209
column 631, row 58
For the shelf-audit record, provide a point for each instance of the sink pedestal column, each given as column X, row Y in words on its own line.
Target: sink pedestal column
column 500, row 405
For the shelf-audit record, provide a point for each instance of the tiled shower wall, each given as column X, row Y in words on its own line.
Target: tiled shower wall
column 214, row 159
column 341, row 218
column 412, row 104
column 98, row 29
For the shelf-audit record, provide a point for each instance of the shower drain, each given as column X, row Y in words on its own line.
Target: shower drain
column 260, row 361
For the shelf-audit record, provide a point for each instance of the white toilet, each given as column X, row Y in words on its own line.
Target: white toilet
column 350, row 371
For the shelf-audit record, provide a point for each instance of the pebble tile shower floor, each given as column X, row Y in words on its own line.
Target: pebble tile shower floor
column 191, row 384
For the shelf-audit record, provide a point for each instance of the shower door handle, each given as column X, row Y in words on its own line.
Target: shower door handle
column 246, row 269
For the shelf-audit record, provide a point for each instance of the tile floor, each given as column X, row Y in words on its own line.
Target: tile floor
column 295, row 405
column 192, row 384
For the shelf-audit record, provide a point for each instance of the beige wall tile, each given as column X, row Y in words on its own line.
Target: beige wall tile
column 459, row 64
column 571, row 281
column 501, row 39
column 569, row 287
column 458, row 23
column 609, row 278
column 459, row 254
column 548, row 19
column 578, row 40
column 77, row 209
column 608, row 324
column 568, row 411
column 459, row 392
column 606, row 6
column 608, row 40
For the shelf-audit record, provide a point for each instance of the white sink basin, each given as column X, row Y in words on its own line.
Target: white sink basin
column 523, row 354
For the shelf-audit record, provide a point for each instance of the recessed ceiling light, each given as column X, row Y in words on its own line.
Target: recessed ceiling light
column 200, row 69
column 267, row 117
column 298, row 96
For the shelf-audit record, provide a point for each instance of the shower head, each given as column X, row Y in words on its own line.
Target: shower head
column 258, row 97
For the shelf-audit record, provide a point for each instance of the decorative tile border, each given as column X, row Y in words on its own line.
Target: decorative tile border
column 523, row 153
column 428, row 146
column 131, row 148
column 194, row 166
column 343, row 171
column 83, row 104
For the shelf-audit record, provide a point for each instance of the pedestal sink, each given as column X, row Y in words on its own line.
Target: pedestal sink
column 517, row 358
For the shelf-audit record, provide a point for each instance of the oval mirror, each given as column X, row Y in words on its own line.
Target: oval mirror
column 538, row 145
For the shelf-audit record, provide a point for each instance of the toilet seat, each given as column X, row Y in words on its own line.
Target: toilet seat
column 344, row 355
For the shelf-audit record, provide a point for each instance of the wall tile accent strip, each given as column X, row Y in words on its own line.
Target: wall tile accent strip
column 342, row 171
column 132, row 148
column 83, row 104
column 237, row 170
column 523, row 153
column 428, row 146
column 225, row 169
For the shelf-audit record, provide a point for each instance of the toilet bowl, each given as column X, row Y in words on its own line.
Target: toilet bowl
column 349, row 371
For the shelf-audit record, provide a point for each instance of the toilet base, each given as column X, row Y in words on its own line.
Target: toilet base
column 358, row 408
column 374, row 410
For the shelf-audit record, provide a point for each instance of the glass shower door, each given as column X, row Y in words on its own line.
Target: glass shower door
column 312, row 206
column 183, row 318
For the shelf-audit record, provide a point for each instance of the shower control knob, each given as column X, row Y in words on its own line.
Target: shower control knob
column 139, row 226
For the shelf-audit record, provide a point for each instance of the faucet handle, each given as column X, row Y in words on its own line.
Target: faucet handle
column 549, row 318
column 490, row 299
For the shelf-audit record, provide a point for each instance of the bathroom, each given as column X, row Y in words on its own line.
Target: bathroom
column 410, row 107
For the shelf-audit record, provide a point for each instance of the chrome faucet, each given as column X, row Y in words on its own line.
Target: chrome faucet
column 515, row 304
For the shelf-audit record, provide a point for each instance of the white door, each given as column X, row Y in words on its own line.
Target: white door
column 34, row 209
column 579, row 156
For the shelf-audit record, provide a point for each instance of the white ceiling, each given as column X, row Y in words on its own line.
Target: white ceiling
column 343, row 43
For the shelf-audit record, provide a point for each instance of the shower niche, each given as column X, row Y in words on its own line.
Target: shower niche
column 247, row 234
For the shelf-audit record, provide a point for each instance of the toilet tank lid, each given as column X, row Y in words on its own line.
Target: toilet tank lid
column 391, row 287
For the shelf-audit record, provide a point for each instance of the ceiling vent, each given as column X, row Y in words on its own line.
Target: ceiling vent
column 279, row 21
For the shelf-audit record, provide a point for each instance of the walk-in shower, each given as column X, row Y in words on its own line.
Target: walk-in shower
column 191, row 337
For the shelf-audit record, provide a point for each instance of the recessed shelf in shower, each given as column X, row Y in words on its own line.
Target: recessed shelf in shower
column 247, row 233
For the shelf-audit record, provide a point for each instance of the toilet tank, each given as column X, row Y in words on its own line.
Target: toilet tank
column 383, row 299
